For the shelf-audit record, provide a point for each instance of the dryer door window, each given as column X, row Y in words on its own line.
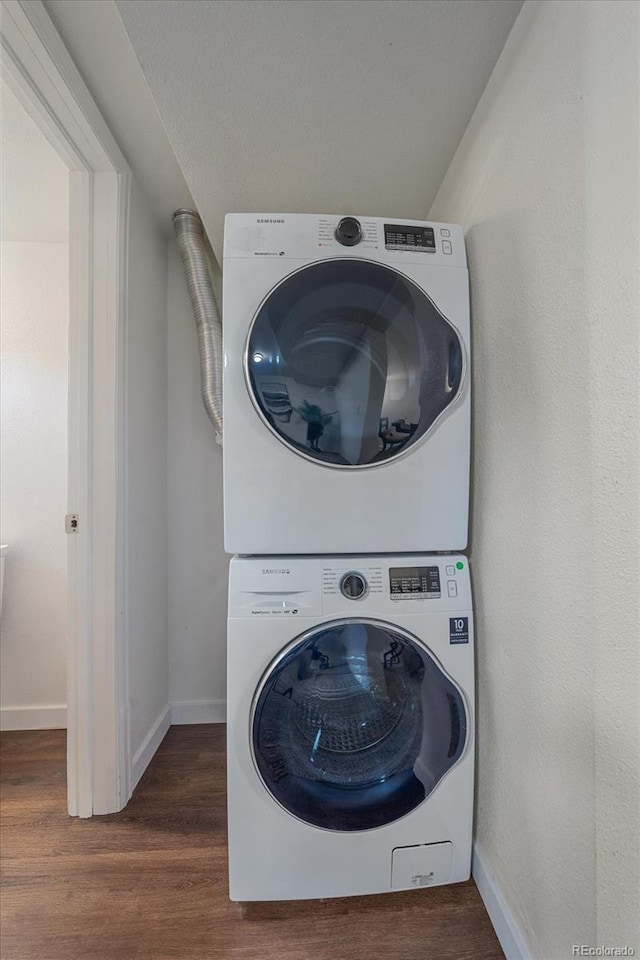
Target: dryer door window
column 350, row 363
column 355, row 725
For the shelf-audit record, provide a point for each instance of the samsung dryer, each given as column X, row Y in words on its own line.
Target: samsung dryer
column 346, row 385
column 350, row 725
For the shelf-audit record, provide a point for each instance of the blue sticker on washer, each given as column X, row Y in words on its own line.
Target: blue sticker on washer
column 458, row 629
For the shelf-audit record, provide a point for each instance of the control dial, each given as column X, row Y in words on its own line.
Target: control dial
column 349, row 232
column 353, row 586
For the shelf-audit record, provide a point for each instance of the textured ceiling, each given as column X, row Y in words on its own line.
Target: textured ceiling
column 315, row 105
column 35, row 182
column 286, row 105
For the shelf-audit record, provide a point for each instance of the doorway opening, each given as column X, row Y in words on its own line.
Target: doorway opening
column 43, row 79
column 34, row 415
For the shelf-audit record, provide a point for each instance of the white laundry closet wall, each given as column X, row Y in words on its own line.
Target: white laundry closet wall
column 546, row 184
column 33, row 403
column 146, row 492
column 197, row 561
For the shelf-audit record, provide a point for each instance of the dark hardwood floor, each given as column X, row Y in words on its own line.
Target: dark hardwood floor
column 149, row 883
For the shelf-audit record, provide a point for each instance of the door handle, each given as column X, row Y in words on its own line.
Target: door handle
column 454, row 365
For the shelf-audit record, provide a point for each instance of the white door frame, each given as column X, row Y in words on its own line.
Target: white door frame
column 40, row 72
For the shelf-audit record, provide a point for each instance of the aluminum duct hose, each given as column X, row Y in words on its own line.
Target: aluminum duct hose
column 196, row 260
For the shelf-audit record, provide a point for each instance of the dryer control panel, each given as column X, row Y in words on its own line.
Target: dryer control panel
column 398, row 236
column 302, row 236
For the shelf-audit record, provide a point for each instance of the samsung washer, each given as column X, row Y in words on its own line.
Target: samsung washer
column 350, row 725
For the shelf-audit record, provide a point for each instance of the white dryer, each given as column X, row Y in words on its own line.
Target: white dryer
column 346, row 385
column 350, row 725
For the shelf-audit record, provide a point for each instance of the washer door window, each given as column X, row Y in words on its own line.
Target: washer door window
column 355, row 725
column 351, row 363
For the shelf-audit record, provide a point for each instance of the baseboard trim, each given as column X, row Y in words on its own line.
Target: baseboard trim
column 504, row 923
column 150, row 744
column 34, row 718
column 198, row 711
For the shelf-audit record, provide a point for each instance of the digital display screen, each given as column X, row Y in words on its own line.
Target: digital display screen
column 398, row 237
column 414, row 581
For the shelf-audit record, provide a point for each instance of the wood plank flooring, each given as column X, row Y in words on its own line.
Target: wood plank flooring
column 149, row 883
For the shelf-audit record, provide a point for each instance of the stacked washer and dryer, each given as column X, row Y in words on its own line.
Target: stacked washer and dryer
column 346, row 488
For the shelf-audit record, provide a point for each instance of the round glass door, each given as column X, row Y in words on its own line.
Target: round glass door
column 355, row 725
column 350, row 363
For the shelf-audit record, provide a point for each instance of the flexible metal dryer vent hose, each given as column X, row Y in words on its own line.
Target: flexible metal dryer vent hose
column 197, row 262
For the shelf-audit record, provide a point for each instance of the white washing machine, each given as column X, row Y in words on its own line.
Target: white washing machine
column 350, row 725
column 346, row 385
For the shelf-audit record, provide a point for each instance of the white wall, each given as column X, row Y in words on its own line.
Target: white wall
column 197, row 562
column 146, row 375
column 34, row 186
column 33, row 456
column 33, row 429
column 546, row 183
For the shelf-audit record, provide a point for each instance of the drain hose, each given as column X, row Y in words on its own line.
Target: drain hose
column 197, row 262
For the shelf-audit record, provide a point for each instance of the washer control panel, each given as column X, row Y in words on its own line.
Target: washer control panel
column 419, row 583
column 304, row 588
column 353, row 586
column 409, row 237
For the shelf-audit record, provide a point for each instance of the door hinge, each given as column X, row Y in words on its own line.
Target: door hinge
column 71, row 523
